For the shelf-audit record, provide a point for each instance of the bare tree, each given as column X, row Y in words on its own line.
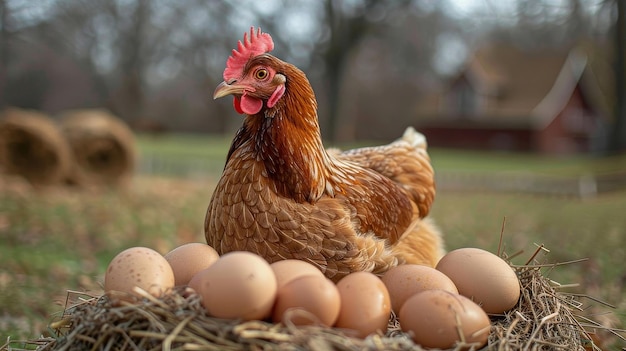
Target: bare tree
column 366, row 59
column 617, row 138
column 135, row 48
column 162, row 62
column 201, row 42
column 4, row 50
column 347, row 26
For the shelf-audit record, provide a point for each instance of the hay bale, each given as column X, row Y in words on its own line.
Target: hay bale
column 31, row 146
column 102, row 145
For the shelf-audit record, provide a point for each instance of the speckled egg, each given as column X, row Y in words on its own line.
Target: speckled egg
column 140, row 267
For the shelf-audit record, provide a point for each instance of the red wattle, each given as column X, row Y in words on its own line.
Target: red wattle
column 251, row 105
column 237, row 105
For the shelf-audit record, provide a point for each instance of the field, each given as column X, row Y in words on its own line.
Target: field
column 60, row 239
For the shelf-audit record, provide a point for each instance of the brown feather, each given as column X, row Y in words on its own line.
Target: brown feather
column 282, row 195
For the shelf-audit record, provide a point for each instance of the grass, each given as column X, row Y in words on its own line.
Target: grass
column 172, row 145
column 62, row 239
column 212, row 152
column 571, row 229
column 477, row 161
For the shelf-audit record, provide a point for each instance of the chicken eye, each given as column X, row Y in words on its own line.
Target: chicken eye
column 261, row 74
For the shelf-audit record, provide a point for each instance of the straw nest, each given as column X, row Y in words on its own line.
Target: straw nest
column 544, row 319
column 32, row 146
column 102, row 145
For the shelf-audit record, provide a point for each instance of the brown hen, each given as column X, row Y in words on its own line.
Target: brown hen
column 282, row 195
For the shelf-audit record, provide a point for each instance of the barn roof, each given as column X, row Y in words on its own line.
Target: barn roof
column 515, row 88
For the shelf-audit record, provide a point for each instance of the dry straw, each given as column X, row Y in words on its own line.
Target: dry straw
column 32, row 146
column 544, row 319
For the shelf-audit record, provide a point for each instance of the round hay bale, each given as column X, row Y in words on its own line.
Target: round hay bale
column 103, row 147
column 32, row 146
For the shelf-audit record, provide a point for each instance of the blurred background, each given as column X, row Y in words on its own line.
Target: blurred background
column 522, row 102
column 486, row 63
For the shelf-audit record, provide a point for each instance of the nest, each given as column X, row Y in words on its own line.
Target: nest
column 32, row 146
column 544, row 319
column 102, row 145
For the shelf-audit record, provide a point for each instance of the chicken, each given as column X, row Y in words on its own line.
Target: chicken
column 283, row 196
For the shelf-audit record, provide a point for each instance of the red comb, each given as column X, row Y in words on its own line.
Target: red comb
column 258, row 43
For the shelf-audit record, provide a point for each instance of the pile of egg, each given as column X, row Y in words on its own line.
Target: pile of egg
column 439, row 307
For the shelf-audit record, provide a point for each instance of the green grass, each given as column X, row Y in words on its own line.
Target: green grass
column 172, row 145
column 62, row 239
column 567, row 166
column 212, row 150
column 571, row 229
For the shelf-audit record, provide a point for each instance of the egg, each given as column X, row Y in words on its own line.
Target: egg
column 483, row 277
column 194, row 282
column 239, row 285
column 290, row 269
column 365, row 305
column 440, row 319
column 309, row 299
column 137, row 267
column 406, row 280
column 188, row 259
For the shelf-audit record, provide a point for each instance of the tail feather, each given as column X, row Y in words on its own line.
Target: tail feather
column 414, row 138
column 422, row 243
column 405, row 161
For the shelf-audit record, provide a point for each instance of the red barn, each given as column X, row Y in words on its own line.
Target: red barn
column 505, row 98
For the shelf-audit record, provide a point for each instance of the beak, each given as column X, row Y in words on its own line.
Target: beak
column 224, row 89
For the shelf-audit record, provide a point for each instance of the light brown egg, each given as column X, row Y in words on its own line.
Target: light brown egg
column 137, row 267
column 440, row 319
column 288, row 270
column 365, row 305
column 309, row 299
column 406, row 280
column 188, row 259
column 239, row 285
column 483, row 277
column 194, row 282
